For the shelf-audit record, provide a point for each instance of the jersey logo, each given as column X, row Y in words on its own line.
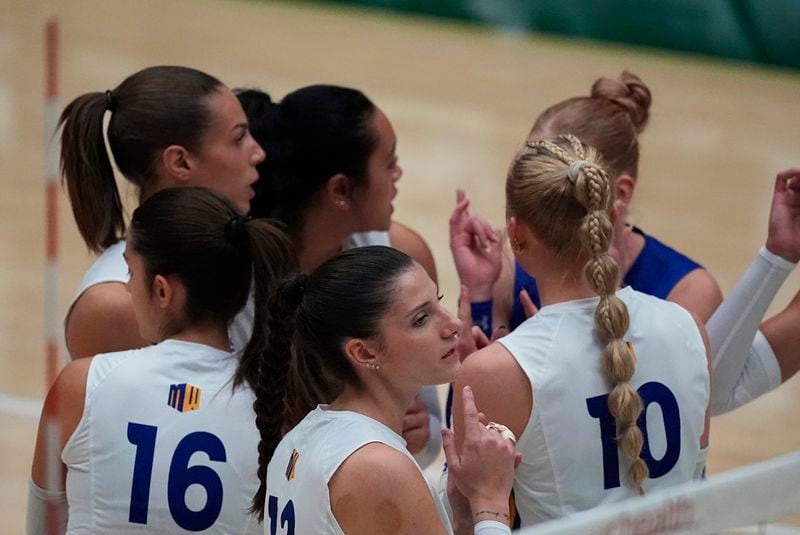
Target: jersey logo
column 184, row 397
column 291, row 466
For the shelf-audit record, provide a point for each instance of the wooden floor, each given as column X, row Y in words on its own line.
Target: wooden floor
column 461, row 100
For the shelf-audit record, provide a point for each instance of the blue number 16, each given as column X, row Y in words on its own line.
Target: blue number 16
column 181, row 477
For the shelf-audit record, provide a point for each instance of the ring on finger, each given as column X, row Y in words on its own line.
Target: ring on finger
column 505, row 432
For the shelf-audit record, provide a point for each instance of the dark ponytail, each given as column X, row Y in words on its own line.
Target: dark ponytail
column 273, row 257
column 313, row 134
column 310, row 320
column 199, row 237
column 87, row 170
column 270, row 405
column 150, row 110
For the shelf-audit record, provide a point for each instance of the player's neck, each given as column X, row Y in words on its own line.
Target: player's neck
column 558, row 279
column 320, row 239
column 210, row 334
column 385, row 405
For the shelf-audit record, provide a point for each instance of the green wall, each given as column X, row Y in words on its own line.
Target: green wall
column 762, row 31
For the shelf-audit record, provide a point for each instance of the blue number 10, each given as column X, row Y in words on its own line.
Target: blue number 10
column 181, row 477
column 652, row 392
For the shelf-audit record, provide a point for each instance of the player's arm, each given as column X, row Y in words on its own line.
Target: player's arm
column 501, row 389
column 364, row 504
column 700, row 463
column 63, row 406
column 410, row 242
column 709, row 362
column 698, row 293
column 102, row 321
column 783, row 337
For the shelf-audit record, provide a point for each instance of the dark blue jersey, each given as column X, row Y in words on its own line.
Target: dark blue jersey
column 656, row 271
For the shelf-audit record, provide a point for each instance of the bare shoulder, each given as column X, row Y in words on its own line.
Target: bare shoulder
column 69, row 391
column 493, row 359
column 698, row 293
column 64, row 403
column 102, row 321
column 363, row 502
column 413, row 244
column 502, row 390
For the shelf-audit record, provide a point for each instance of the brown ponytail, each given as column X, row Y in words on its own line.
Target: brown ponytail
column 87, row 171
column 150, row 110
column 610, row 119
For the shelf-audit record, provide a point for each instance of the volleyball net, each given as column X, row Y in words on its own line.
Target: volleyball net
column 745, row 500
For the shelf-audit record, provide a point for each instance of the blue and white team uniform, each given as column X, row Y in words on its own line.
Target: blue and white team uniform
column 298, row 501
column 570, row 458
column 656, row 271
column 164, row 445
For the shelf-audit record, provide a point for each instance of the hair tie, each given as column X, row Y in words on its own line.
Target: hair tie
column 574, row 170
column 297, row 288
column 111, row 104
column 235, row 229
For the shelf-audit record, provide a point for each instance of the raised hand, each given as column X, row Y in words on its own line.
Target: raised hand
column 483, row 472
column 783, row 238
column 416, row 426
column 476, row 249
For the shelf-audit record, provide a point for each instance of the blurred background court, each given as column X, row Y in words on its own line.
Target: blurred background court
column 461, row 99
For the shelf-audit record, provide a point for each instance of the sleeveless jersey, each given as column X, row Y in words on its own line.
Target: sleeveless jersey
column 164, row 444
column 298, row 501
column 110, row 266
column 570, row 458
column 656, row 271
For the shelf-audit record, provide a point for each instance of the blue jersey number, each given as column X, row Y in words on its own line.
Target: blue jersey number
column 286, row 518
column 181, row 477
column 651, row 393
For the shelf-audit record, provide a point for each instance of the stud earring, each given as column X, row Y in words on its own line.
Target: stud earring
column 374, row 365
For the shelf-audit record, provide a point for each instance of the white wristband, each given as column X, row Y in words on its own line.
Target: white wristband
column 778, row 262
column 491, row 527
column 38, row 500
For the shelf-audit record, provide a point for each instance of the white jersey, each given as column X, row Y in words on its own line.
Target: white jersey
column 164, row 444
column 110, row 266
column 362, row 239
column 297, row 500
column 570, row 458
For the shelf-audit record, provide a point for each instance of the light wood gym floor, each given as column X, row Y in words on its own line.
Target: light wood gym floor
column 461, row 100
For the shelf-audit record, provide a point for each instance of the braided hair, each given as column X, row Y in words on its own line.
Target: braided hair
column 561, row 190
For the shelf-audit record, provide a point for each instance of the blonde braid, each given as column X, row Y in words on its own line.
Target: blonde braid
column 593, row 190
